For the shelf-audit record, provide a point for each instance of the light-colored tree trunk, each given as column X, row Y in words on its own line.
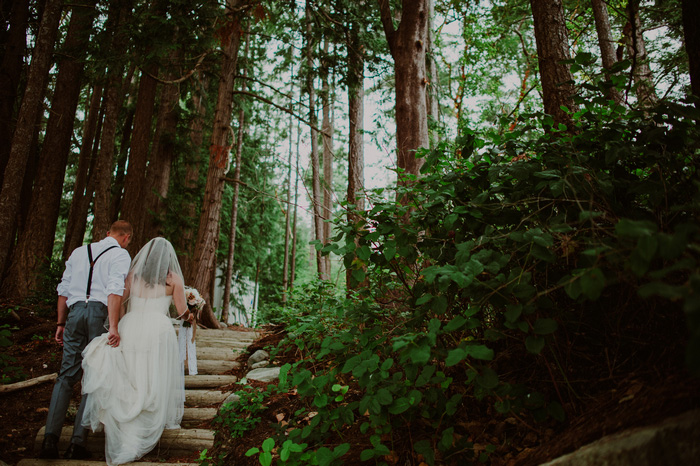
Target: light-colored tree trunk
column 636, row 48
column 287, row 213
column 432, row 91
column 36, row 241
column 407, row 44
column 606, row 44
column 327, row 138
column 553, row 48
column 356, row 162
column 294, row 220
column 25, row 130
column 204, row 262
column 236, row 190
column 317, row 219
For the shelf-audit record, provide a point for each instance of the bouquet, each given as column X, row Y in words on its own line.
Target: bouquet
column 195, row 303
column 188, row 348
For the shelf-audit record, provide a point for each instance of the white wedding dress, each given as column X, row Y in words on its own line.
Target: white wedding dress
column 135, row 390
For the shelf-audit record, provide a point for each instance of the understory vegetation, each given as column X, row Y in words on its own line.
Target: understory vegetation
column 528, row 270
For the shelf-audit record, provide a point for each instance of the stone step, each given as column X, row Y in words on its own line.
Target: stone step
column 204, row 397
column 215, row 367
column 38, row 462
column 224, row 354
column 209, row 381
column 176, row 442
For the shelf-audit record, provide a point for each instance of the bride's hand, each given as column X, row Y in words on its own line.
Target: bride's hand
column 113, row 338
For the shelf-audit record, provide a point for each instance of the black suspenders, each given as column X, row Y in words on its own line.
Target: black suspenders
column 92, row 264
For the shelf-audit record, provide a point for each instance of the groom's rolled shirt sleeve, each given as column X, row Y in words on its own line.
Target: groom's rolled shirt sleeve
column 118, row 272
column 63, row 285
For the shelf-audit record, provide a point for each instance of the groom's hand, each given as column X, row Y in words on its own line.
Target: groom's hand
column 113, row 338
column 59, row 335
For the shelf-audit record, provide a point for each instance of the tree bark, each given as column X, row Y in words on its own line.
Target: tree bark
column 317, row 220
column 35, row 243
column 287, row 213
column 10, row 74
column 356, row 162
column 236, row 190
column 691, row 31
column 75, row 228
column 636, row 48
column 29, row 114
column 606, row 44
column 135, row 180
column 196, row 128
column 327, row 138
column 552, row 48
column 407, row 44
column 294, row 220
column 431, row 72
column 208, row 231
column 119, row 15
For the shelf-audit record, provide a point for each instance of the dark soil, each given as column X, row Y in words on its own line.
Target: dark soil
column 633, row 398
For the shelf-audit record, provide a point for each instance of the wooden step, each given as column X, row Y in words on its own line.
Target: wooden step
column 249, row 336
column 204, row 397
column 176, row 442
column 38, row 462
column 215, row 342
column 197, row 415
column 223, row 354
column 215, row 367
column 209, row 381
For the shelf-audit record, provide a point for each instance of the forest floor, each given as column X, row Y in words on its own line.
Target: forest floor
column 645, row 396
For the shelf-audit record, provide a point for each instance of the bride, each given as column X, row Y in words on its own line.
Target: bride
column 136, row 389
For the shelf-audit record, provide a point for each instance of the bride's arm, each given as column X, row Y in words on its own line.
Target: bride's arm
column 179, row 299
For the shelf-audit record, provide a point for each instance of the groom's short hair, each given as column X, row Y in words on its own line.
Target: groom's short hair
column 121, row 227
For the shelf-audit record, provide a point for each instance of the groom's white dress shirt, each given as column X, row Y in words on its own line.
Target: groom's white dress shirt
column 108, row 275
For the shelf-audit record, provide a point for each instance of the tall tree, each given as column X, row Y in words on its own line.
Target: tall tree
column 35, row 242
column 327, row 137
column 29, row 114
column 236, row 190
column 636, row 48
column 119, row 16
column 691, row 31
column 606, row 44
column 552, row 49
column 208, row 233
column 407, row 44
column 317, row 219
column 10, row 73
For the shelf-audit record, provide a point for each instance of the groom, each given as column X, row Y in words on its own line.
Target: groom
column 91, row 288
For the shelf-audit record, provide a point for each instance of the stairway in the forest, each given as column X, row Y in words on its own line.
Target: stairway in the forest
column 216, row 354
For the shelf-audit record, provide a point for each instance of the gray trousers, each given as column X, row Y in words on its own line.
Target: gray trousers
column 85, row 322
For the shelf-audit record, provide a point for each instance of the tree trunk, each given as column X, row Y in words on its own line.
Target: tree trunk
column 119, row 15
column 356, row 161
column 29, row 114
column 10, row 74
column 294, row 220
column 431, row 72
column 35, row 244
column 135, row 180
column 287, row 213
column 236, row 190
column 163, row 154
column 641, row 73
column 606, row 44
column 691, row 31
column 208, row 231
column 117, row 191
column 192, row 175
column 75, row 228
column 327, row 138
column 552, row 48
column 317, row 220
column 407, row 45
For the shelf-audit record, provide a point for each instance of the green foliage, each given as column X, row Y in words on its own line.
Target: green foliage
column 510, row 243
column 242, row 416
column 8, row 372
